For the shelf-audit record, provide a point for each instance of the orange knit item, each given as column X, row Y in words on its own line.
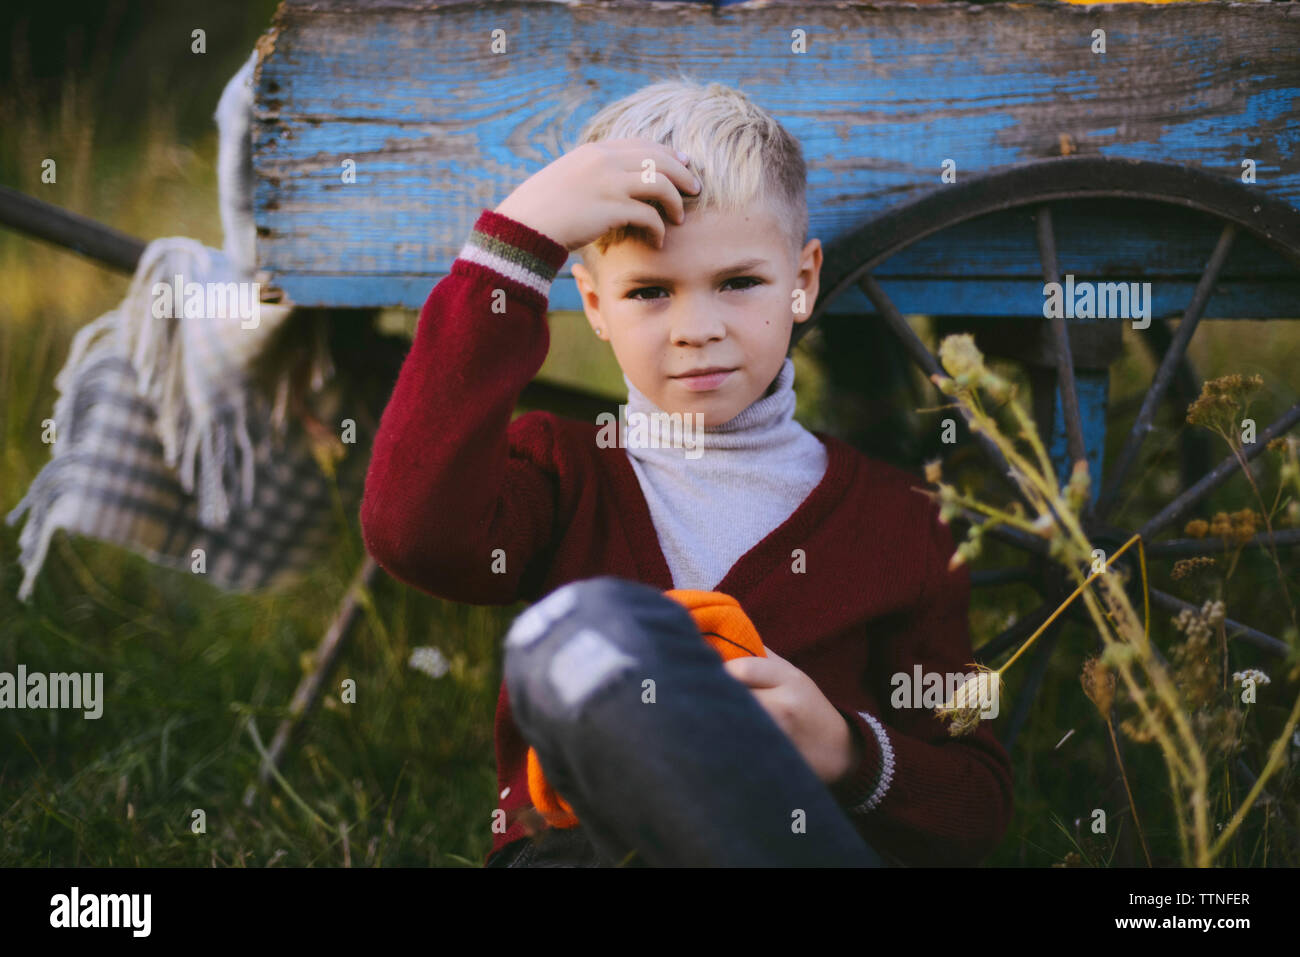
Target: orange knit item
column 727, row 629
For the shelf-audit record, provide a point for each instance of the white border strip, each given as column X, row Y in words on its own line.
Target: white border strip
column 887, row 765
column 474, row 253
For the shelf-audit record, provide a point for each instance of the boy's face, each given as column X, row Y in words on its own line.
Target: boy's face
column 720, row 293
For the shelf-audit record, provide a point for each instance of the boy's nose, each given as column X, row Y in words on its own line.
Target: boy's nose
column 695, row 326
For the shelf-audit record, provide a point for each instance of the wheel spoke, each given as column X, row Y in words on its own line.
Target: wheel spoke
column 1188, row 547
column 985, row 577
column 1251, row 777
column 1042, row 656
column 1061, row 337
column 1014, row 634
column 922, row 356
column 885, row 307
column 1235, row 629
column 1194, row 444
column 1042, row 393
column 1179, row 506
column 1166, row 372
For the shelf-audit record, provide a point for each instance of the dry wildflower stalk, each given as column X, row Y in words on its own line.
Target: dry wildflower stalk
column 1221, row 408
column 1127, row 652
column 1236, row 529
column 1099, row 685
column 1190, row 567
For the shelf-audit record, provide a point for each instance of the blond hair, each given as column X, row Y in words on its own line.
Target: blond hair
column 741, row 154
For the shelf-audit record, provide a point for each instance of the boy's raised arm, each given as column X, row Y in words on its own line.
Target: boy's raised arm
column 459, row 500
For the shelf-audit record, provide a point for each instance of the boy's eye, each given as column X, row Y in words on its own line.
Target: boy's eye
column 750, row 281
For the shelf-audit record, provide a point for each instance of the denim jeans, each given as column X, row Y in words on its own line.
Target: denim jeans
column 665, row 758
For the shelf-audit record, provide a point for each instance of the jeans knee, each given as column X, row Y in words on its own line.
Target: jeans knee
column 589, row 634
column 571, row 645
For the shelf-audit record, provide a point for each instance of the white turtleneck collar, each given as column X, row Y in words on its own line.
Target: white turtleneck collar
column 748, row 477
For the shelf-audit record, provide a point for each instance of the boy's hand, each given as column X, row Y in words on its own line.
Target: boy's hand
column 598, row 187
column 800, row 709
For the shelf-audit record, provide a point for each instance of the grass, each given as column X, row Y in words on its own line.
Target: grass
column 405, row 775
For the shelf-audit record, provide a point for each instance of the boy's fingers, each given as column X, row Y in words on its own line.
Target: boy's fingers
column 646, row 217
column 754, row 672
column 674, row 168
column 681, row 158
column 665, row 193
column 684, row 177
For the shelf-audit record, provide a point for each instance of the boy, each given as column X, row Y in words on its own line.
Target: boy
column 686, row 204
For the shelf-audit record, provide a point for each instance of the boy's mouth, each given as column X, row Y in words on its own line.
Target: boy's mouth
column 704, row 379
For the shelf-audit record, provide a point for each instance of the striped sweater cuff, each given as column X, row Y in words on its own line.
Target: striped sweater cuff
column 514, row 252
column 865, row 786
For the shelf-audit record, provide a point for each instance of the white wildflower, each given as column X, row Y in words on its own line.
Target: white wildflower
column 1213, row 612
column 429, row 660
column 1253, row 674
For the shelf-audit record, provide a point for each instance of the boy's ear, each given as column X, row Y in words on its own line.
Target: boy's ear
column 587, row 290
column 810, row 270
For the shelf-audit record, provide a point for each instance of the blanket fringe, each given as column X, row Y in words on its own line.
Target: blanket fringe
column 199, row 398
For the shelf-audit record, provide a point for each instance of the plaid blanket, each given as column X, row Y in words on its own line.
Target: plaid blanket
column 201, row 438
column 165, row 442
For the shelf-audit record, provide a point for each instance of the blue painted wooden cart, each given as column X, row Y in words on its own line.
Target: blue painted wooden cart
column 960, row 157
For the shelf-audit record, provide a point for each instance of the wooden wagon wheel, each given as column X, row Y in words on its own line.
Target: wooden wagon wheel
column 1037, row 186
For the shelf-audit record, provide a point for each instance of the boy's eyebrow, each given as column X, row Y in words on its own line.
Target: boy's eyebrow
column 642, row 279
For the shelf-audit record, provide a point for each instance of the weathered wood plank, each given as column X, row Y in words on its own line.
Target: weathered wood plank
column 439, row 127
